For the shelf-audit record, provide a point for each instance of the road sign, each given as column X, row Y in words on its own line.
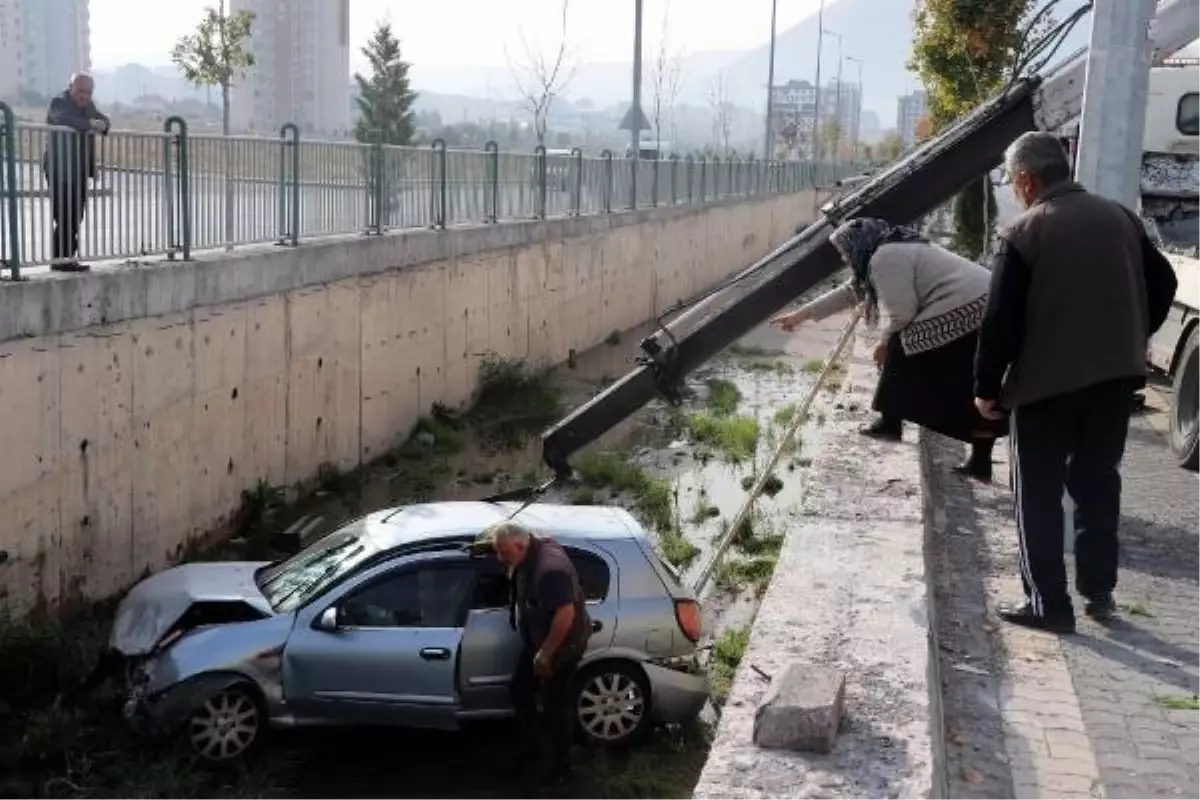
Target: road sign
column 627, row 120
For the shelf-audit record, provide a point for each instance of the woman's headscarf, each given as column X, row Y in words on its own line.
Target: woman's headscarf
column 858, row 240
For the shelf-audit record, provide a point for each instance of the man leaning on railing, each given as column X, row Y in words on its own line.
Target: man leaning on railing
column 68, row 163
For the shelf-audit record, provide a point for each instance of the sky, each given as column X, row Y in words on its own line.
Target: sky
column 471, row 32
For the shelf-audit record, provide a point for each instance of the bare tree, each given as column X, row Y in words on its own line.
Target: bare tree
column 665, row 77
column 718, row 103
column 541, row 79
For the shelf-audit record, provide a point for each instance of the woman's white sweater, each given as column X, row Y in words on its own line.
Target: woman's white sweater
column 927, row 294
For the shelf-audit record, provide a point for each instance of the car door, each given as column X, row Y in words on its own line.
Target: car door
column 393, row 655
column 490, row 645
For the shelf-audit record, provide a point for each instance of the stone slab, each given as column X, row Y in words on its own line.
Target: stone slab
column 802, row 709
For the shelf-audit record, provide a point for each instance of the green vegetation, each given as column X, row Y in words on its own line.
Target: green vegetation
column 677, row 549
column 385, row 97
column 1136, row 609
column 778, row 367
column 735, row 437
column 738, row 349
column 583, row 496
column 784, row 415
column 653, row 496
column 723, row 397
column 512, row 403
column 754, row 573
column 813, row 365
column 705, row 512
column 613, row 339
column 1179, row 702
column 727, row 655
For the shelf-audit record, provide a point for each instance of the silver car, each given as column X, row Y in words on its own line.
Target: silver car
column 396, row 619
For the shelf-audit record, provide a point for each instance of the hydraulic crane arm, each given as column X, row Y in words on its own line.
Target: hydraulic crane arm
column 914, row 186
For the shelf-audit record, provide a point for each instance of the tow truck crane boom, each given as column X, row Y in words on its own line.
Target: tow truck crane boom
column 914, row 186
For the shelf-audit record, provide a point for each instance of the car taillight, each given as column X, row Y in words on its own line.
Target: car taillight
column 687, row 613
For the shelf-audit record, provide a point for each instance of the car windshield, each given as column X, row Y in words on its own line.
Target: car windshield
column 292, row 583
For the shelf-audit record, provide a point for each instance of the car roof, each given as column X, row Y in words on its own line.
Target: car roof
column 406, row 525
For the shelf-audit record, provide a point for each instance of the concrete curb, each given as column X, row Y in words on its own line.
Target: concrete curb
column 849, row 592
column 937, row 717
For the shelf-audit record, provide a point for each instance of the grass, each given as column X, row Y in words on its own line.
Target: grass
column 1179, row 702
column 813, row 365
column 752, row 573
column 734, row 437
column 778, row 367
column 512, row 403
column 653, row 496
column 677, row 549
column 784, row 415
column 705, row 512
column 727, row 655
column 723, row 397
column 738, row 349
column 771, row 487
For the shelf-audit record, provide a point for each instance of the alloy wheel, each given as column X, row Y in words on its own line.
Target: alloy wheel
column 225, row 726
column 611, row 706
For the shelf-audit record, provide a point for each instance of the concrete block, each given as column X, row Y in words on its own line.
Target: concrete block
column 802, row 709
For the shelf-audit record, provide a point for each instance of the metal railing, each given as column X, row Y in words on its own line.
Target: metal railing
column 67, row 196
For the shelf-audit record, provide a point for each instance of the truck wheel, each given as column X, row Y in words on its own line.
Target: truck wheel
column 1185, row 419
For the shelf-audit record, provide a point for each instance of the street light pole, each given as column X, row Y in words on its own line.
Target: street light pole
column 854, row 140
column 837, row 102
column 635, row 114
column 770, row 135
column 816, row 132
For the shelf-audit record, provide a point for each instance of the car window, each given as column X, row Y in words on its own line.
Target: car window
column 592, row 571
column 292, row 583
column 1187, row 114
column 428, row 596
column 491, row 586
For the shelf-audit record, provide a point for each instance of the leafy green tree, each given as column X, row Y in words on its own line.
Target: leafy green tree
column 385, row 98
column 964, row 51
column 217, row 53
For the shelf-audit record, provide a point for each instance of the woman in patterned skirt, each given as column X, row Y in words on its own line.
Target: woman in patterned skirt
column 932, row 303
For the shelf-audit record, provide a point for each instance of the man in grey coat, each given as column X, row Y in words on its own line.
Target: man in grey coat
column 1077, row 288
column 69, row 163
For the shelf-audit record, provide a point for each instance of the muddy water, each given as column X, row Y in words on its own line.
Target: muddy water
column 771, row 370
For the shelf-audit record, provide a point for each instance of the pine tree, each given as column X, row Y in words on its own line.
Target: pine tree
column 385, row 98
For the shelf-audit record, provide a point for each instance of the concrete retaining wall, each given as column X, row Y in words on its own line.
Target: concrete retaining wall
column 136, row 404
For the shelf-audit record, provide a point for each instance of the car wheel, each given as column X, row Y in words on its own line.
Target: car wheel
column 1185, row 421
column 612, row 703
column 227, row 725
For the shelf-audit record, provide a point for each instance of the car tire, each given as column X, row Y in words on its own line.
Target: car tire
column 1185, row 419
column 611, row 704
column 227, row 726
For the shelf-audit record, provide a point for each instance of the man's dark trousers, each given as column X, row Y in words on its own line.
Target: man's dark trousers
column 68, row 196
column 1074, row 440
column 557, row 712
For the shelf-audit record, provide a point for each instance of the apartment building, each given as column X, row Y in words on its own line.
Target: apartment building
column 302, row 67
column 909, row 111
column 793, row 111
column 41, row 43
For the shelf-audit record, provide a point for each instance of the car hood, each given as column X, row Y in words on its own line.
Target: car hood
column 147, row 613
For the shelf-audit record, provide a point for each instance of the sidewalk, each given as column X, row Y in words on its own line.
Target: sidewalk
column 1108, row 712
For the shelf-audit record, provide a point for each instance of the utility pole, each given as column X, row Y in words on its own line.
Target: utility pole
column 1116, row 88
column 635, row 130
column 857, row 132
column 770, row 136
column 816, row 131
column 837, row 102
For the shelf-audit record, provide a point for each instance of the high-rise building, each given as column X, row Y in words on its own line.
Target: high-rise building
column 793, row 110
column 41, row 43
column 302, row 67
column 909, row 111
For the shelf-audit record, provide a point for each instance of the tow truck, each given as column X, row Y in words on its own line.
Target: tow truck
column 912, row 187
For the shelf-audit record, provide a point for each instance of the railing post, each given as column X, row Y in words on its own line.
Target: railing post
column 674, row 179
column 289, row 141
column 8, row 152
column 606, row 155
column 177, row 206
column 577, row 164
column 437, row 187
column 654, row 181
column 492, row 179
column 539, row 181
column 716, row 177
column 703, row 179
column 375, row 188
column 690, row 164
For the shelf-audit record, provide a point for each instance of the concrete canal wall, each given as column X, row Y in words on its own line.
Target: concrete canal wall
column 139, row 402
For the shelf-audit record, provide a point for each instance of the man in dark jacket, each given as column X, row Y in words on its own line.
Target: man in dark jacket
column 553, row 622
column 68, row 163
column 1077, row 289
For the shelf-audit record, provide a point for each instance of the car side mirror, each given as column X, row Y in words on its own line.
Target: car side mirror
column 328, row 621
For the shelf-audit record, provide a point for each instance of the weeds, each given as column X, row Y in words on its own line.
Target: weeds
column 677, row 549
column 653, row 496
column 813, row 366
column 723, row 397
column 727, row 655
column 738, row 349
column 735, row 437
column 753, row 573
column 1179, row 702
column 512, row 403
column 705, row 512
column 784, row 415
column 583, row 496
